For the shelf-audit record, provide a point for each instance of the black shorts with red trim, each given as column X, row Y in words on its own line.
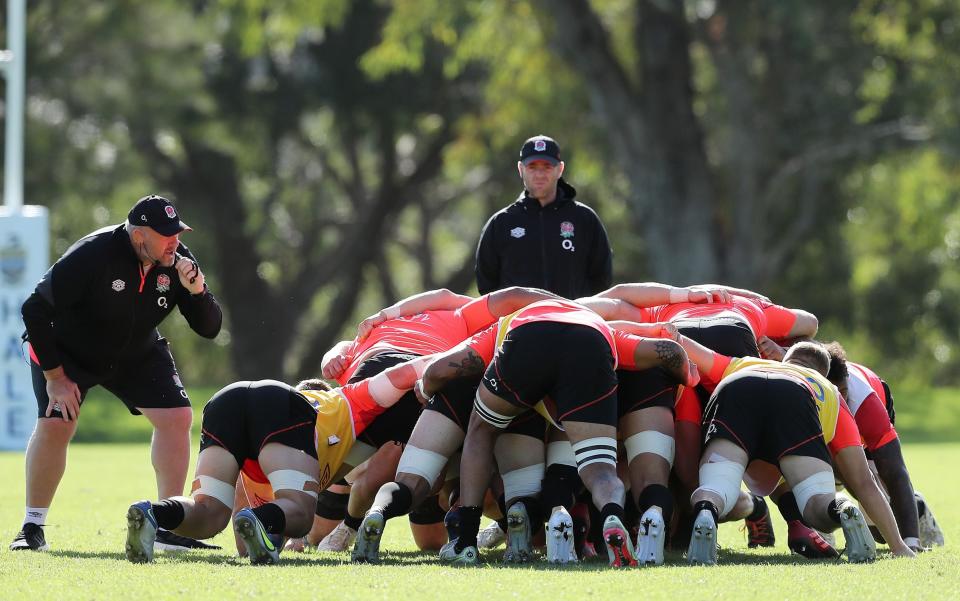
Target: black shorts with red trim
column 396, row 423
column 643, row 389
column 768, row 415
column 570, row 364
column 245, row 416
column 455, row 402
column 725, row 335
column 151, row 382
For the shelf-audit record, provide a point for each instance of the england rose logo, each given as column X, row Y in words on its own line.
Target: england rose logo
column 170, row 212
column 566, row 229
column 163, row 282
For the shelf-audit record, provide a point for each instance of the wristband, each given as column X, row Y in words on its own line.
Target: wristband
column 679, row 295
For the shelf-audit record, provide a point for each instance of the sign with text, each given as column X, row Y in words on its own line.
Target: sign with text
column 24, row 244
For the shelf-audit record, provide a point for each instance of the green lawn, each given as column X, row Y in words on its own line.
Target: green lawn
column 87, row 526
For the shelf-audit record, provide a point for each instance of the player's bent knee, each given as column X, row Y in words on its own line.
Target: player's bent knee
column 813, row 494
column 721, row 477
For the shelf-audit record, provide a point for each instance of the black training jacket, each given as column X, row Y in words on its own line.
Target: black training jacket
column 96, row 311
column 562, row 247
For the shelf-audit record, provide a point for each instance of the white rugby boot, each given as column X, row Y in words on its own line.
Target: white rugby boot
column 339, row 539
column 651, row 538
column 703, row 541
column 560, row 541
column 519, row 549
column 860, row 545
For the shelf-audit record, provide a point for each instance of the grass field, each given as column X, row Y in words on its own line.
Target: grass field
column 87, row 527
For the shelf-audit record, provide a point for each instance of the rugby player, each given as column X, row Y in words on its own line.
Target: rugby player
column 419, row 325
column 577, row 380
column 298, row 440
column 777, row 418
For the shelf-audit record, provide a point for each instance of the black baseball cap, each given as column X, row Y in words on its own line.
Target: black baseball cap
column 158, row 213
column 540, row 148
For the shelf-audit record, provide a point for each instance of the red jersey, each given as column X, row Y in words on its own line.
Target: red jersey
column 765, row 319
column 422, row 334
column 866, row 399
column 622, row 345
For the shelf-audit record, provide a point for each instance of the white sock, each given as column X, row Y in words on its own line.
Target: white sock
column 36, row 515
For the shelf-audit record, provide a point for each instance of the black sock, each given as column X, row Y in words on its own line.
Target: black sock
column 451, row 522
column 759, row 508
column 469, row 527
column 833, row 510
column 709, row 507
column 272, row 518
column 394, row 499
column 787, row 504
column 659, row 495
column 332, row 505
column 169, row 513
column 560, row 485
column 352, row 522
column 611, row 509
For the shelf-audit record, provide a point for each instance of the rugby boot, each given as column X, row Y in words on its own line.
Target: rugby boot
column 491, row 537
column 807, row 542
column 860, row 545
column 760, row 531
column 560, row 539
column 650, row 538
column 617, row 539
column 30, row 538
column 366, row 549
column 580, row 514
column 519, row 549
column 168, row 541
column 339, row 539
column 141, row 532
column 262, row 548
column 468, row 556
column 930, row 533
column 703, row 541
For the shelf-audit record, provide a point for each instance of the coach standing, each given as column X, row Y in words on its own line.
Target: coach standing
column 92, row 320
column 546, row 238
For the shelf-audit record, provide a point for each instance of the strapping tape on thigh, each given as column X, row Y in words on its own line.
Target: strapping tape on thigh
column 211, row 487
column 650, row 441
column 421, row 462
column 523, row 482
column 602, row 449
column 821, row 483
column 294, row 480
column 561, row 452
column 722, row 478
column 490, row 416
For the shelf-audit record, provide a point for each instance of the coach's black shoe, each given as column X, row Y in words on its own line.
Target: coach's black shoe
column 30, row 538
column 168, row 541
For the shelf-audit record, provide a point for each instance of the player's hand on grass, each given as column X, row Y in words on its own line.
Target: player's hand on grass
column 64, row 394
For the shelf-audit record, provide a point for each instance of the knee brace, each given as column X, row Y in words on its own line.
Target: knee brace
column 523, row 482
column 821, row 483
column 650, row 441
column 601, row 449
column 490, row 416
column 294, row 480
column 421, row 462
column 722, row 477
column 211, row 487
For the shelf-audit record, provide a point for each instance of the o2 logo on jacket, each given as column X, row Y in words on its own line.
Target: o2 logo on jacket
column 567, row 232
